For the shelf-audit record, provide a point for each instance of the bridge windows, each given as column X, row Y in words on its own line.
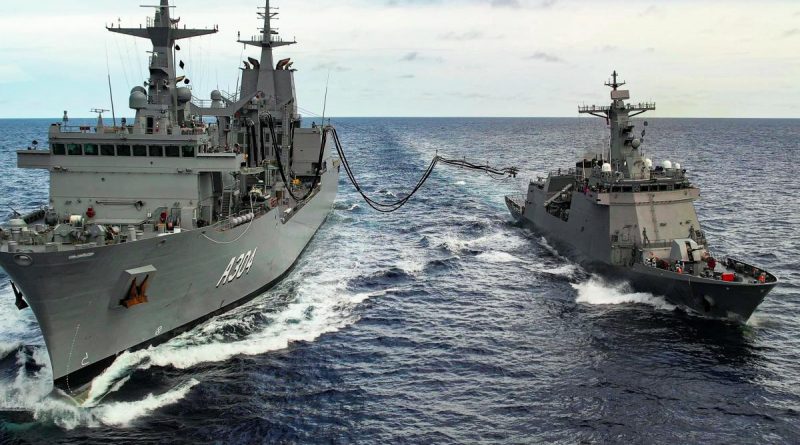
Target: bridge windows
column 90, row 149
column 172, row 151
column 156, row 151
column 153, row 151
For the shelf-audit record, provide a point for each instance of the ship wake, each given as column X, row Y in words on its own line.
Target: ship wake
column 597, row 291
column 309, row 306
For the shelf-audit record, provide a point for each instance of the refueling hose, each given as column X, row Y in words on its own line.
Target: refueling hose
column 383, row 207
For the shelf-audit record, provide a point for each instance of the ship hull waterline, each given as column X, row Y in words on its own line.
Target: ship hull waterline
column 697, row 295
column 192, row 276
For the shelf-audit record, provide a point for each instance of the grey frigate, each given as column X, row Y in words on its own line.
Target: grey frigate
column 155, row 225
column 622, row 216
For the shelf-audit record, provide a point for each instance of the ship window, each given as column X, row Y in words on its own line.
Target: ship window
column 123, row 150
column 59, row 149
column 107, row 150
column 156, row 150
column 172, row 151
column 140, row 150
column 187, row 151
column 74, row 149
column 90, row 149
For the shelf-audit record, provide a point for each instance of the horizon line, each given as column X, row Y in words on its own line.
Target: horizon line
column 447, row 117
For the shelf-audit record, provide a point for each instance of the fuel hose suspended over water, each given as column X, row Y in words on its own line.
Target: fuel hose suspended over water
column 388, row 207
column 384, row 207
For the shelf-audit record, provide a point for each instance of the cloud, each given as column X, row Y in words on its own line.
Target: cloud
column 415, row 56
column 791, row 32
column 505, row 4
column 330, row 66
column 11, row 73
column 650, row 10
column 462, row 37
column 406, row 76
column 545, row 57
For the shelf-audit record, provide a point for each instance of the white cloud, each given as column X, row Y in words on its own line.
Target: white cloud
column 492, row 56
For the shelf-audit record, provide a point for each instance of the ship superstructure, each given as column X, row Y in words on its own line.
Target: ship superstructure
column 157, row 224
column 621, row 215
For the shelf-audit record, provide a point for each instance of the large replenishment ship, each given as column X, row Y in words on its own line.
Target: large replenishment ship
column 157, row 224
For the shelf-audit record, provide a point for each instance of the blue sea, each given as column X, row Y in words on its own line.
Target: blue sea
column 446, row 322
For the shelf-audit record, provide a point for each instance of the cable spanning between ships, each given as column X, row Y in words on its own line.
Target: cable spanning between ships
column 383, row 207
column 388, row 207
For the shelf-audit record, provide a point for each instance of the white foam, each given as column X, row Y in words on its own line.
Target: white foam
column 565, row 270
column 121, row 414
column 321, row 306
column 494, row 256
column 500, row 240
column 461, row 183
column 598, row 291
column 411, row 266
column 543, row 242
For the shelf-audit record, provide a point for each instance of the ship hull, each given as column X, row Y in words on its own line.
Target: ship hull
column 704, row 296
column 192, row 276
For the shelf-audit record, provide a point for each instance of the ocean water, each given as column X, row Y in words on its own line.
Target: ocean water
column 447, row 323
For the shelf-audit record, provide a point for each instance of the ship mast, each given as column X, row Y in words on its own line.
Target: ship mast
column 162, row 30
column 623, row 145
column 268, row 40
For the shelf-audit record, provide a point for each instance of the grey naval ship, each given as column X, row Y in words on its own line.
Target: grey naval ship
column 621, row 216
column 155, row 225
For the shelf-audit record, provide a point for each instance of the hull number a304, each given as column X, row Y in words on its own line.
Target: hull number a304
column 237, row 267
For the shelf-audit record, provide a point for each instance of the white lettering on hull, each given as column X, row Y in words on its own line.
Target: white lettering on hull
column 237, row 267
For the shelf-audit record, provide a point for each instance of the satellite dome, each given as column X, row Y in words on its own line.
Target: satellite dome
column 636, row 143
column 666, row 164
column 139, row 88
column 648, row 163
column 216, row 95
column 184, row 95
column 677, row 166
column 138, row 99
column 606, row 168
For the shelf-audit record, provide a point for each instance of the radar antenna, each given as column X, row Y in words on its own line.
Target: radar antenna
column 614, row 84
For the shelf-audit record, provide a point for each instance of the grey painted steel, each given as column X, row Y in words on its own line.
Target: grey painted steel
column 200, row 215
column 617, row 214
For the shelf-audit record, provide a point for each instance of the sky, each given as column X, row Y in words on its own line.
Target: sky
column 539, row 58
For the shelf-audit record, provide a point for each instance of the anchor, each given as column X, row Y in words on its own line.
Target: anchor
column 137, row 294
column 20, row 302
